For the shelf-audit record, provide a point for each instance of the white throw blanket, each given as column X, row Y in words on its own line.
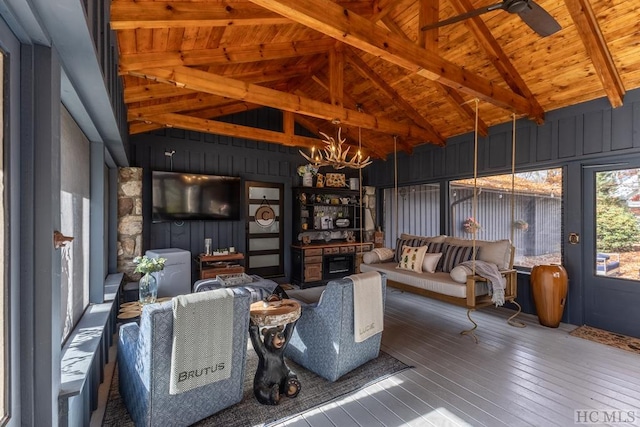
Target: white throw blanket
column 490, row 272
column 368, row 312
column 202, row 339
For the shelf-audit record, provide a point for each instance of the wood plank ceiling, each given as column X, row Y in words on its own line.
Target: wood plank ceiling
column 367, row 65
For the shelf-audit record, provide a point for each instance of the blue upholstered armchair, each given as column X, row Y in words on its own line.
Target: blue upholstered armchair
column 323, row 340
column 144, row 368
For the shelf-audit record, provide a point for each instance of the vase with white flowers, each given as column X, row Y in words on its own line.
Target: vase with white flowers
column 148, row 284
column 307, row 172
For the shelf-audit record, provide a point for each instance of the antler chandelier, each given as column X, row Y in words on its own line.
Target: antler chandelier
column 333, row 154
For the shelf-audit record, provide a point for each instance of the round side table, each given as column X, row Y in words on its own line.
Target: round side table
column 271, row 327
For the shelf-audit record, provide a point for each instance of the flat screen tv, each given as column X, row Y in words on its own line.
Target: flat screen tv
column 180, row 196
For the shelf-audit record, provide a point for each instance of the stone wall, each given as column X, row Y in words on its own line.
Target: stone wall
column 129, row 220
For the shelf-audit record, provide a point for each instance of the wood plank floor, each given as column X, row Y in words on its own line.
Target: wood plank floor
column 532, row 376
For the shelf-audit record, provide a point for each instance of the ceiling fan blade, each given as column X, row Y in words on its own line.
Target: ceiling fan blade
column 464, row 16
column 539, row 20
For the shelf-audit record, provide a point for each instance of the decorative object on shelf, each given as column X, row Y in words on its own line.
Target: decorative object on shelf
column 207, row 246
column 342, row 222
column 307, row 172
column 470, row 225
column 306, row 239
column 320, row 181
column 335, row 155
column 351, row 237
column 336, row 180
column 354, row 183
column 148, row 285
column 521, row 224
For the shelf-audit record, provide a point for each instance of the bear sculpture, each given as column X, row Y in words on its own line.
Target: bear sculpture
column 273, row 377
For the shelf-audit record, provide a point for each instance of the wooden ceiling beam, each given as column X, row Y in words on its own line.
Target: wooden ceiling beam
column 224, row 86
column 393, row 95
column 237, row 131
column 336, row 76
column 382, row 8
column 159, row 91
column 152, row 92
column 225, row 54
column 428, row 13
column 322, row 80
column 498, row 58
column 132, row 15
column 333, row 20
column 597, row 49
column 451, row 95
column 231, row 107
column 182, row 104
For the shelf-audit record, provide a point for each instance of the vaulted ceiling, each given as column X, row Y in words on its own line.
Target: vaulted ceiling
column 367, row 65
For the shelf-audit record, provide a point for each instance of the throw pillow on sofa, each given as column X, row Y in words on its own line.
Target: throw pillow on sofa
column 498, row 253
column 377, row 255
column 432, row 239
column 430, row 262
column 454, row 255
column 413, row 242
column 412, row 258
column 460, row 273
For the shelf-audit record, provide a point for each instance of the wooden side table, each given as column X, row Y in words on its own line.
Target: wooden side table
column 273, row 377
column 209, row 266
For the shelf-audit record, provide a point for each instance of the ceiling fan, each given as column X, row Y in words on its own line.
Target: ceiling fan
column 533, row 15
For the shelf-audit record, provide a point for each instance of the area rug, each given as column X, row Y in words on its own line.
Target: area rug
column 609, row 338
column 316, row 391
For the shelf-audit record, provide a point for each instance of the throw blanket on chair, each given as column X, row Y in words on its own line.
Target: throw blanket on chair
column 368, row 312
column 202, row 339
column 490, row 272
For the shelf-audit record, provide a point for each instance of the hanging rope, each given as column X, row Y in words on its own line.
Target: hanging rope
column 395, row 179
column 474, row 204
column 360, row 186
column 513, row 176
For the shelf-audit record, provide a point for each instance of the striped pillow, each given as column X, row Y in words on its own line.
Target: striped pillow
column 454, row 255
column 414, row 243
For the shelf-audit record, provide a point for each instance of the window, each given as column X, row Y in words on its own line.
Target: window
column 618, row 223
column 74, row 220
column 535, row 227
column 418, row 211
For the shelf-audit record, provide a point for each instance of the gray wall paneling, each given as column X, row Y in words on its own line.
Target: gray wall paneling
column 588, row 133
column 218, row 155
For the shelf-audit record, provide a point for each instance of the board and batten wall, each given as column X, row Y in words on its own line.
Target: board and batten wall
column 218, row 155
column 590, row 133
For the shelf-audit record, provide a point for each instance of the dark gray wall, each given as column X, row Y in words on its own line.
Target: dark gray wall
column 582, row 135
column 218, row 155
column 592, row 132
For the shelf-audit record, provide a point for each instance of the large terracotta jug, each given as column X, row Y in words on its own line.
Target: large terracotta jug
column 549, row 286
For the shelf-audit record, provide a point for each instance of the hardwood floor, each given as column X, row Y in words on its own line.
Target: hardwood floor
column 532, row 376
